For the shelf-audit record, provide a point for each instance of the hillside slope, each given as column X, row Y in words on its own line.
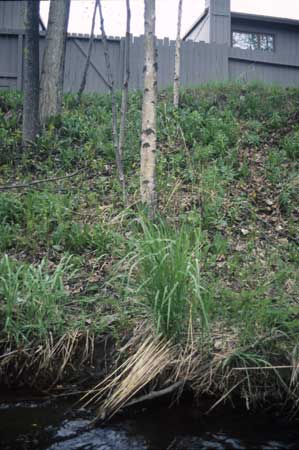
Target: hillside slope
column 76, row 266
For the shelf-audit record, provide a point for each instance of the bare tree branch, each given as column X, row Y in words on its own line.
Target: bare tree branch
column 125, row 87
column 87, row 62
column 118, row 158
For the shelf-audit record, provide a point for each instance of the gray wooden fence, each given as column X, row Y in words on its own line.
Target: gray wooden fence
column 201, row 63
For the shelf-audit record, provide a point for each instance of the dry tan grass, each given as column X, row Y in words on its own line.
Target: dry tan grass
column 149, row 357
column 149, row 366
column 208, row 364
column 43, row 366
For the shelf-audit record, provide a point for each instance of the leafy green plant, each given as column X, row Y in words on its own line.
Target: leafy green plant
column 33, row 298
column 275, row 166
column 289, row 194
column 78, row 238
column 11, row 209
column 212, row 191
column 291, row 145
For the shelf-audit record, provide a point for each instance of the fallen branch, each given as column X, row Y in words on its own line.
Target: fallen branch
column 156, row 394
column 44, row 180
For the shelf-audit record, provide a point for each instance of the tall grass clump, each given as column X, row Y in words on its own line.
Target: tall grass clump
column 169, row 277
column 291, row 145
column 32, row 299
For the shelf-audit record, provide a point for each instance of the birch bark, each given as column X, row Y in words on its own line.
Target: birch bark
column 149, row 119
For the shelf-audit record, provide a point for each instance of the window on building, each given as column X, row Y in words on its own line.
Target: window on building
column 253, row 41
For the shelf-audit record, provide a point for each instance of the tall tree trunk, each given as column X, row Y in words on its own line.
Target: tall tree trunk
column 31, row 72
column 125, row 87
column 119, row 163
column 87, row 62
column 177, row 64
column 149, row 119
column 51, row 89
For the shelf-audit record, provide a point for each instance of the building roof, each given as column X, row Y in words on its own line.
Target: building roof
column 196, row 23
column 245, row 16
column 42, row 26
column 261, row 18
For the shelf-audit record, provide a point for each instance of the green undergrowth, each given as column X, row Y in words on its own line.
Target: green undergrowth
column 222, row 253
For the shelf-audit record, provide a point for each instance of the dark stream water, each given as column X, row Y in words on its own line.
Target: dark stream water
column 55, row 425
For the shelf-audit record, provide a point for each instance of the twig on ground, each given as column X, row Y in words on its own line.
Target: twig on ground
column 35, row 182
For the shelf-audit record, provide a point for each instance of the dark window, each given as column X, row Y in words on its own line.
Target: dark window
column 253, row 41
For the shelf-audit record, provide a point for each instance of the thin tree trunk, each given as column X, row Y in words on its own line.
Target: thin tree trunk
column 125, row 87
column 51, row 89
column 177, row 64
column 118, row 158
column 87, row 62
column 31, row 72
column 149, row 132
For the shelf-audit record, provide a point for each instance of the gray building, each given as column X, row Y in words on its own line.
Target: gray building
column 218, row 24
column 261, row 48
column 12, row 15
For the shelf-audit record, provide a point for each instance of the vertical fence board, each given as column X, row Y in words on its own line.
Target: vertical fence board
column 140, row 62
column 20, row 62
column 163, row 76
column 133, row 63
column 165, row 58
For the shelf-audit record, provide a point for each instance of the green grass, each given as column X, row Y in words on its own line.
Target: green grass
column 168, row 280
column 34, row 298
column 224, row 251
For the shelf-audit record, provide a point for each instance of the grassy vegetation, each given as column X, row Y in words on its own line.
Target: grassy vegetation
column 222, row 254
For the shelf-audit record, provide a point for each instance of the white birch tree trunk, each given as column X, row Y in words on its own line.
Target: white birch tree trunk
column 51, row 87
column 149, row 119
column 177, row 63
column 31, row 72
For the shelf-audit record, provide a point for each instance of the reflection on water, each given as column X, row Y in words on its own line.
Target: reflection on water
column 59, row 426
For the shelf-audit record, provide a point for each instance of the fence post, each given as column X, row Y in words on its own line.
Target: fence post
column 20, row 61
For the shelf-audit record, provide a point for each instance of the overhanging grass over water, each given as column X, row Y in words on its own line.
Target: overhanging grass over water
column 217, row 272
